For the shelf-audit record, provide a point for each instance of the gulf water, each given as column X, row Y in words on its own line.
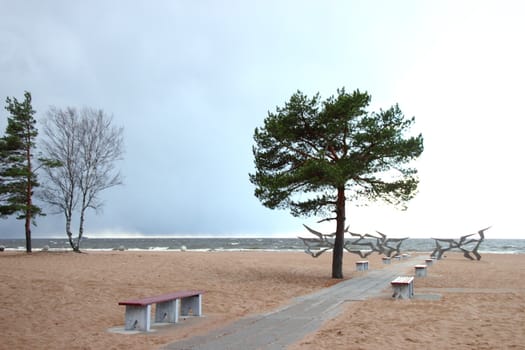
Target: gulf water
column 508, row 246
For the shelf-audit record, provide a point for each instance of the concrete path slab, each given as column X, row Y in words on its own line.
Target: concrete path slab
column 306, row 314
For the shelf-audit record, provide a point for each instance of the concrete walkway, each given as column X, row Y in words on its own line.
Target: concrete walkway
column 306, row 314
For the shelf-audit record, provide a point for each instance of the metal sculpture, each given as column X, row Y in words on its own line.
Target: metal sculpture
column 460, row 244
column 317, row 246
column 380, row 244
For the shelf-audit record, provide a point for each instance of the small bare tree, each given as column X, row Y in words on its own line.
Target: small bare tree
column 87, row 146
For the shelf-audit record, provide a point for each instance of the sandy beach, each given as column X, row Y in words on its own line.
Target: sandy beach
column 481, row 305
column 51, row 300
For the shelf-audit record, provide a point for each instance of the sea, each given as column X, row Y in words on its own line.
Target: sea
column 503, row 246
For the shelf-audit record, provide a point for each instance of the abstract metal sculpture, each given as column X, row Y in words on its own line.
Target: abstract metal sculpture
column 317, row 246
column 380, row 244
column 460, row 244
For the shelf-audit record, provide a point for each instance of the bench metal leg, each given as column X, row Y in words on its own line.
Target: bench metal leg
column 191, row 303
column 167, row 311
column 138, row 317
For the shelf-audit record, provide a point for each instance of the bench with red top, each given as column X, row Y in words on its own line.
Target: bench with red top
column 421, row 270
column 138, row 311
column 361, row 265
column 403, row 287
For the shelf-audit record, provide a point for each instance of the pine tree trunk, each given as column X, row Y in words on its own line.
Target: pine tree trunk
column 337, row 258
column 29, row 202
column 28, row 232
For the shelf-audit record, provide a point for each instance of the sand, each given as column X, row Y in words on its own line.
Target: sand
column 481, row 306
column 51, row 300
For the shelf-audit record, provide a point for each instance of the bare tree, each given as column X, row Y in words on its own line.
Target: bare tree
column 87, row 146
column 60, row 143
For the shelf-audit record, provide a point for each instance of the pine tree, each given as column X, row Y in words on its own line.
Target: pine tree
column 17, row 176
column 311, row 156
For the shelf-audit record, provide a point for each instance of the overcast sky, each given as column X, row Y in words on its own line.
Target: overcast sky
column 190, row 80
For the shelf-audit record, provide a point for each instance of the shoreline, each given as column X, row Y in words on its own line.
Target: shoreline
column 70, row 300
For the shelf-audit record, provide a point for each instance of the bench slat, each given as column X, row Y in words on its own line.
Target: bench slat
column 161, row 298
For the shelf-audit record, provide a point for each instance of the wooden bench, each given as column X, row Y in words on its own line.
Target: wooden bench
column 386, row 260
column 361, row 265
column 429, row 262
column 138, row 311
column 403, row 287
column 421, row 270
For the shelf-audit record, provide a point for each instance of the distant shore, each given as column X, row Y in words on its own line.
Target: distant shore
column 69, row 300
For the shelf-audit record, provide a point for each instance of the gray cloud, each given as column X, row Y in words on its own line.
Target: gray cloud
column 190, row 81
